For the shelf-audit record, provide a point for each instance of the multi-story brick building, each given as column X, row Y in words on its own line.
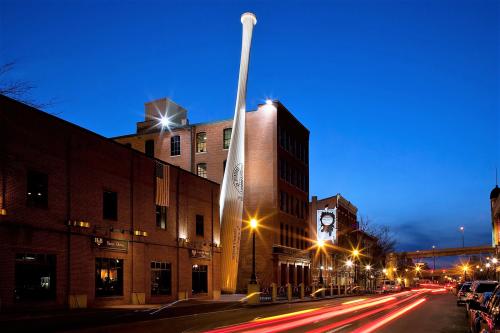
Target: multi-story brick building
column 85, row 220
column 338, row 252
column 276, row 178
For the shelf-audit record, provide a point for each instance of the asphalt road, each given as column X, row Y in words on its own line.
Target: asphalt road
column 411, row 311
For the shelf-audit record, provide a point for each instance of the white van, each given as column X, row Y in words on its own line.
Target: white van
column 388, row 286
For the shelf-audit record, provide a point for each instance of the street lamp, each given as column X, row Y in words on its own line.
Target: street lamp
column 463, row 239
column 355, row 255
column 253, row 228
column 434, row 259
column 320, row 243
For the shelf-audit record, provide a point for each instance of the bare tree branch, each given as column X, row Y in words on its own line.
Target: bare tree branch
column 18, row 89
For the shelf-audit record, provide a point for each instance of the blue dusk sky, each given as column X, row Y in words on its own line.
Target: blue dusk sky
column 401, row 97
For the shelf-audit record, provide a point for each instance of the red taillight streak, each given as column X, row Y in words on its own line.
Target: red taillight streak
column 239, row 327
column 314, row 318
column 249, row 325
column 384, row 320
column 361, row 316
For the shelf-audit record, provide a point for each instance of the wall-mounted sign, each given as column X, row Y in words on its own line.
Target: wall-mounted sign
column 326, row 223
column 197, row 253
column 110, row 244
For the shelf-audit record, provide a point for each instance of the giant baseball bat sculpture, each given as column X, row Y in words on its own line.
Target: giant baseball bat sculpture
column 232, row 190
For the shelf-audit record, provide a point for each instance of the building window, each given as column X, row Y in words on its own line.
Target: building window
column 200, row 225
column 286, row 234
column 226, row 137
column 201, row 142
column 175, row 145
column 35, row 276
column 281, row 233
column 109, row 277
column 161, row 278
column 161, row 217
column 110, row 205
column 149, row 148
column 200, row 279
column 201, row 170
column 37, row 189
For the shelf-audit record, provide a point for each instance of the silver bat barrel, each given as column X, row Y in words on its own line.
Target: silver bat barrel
column 232, row 189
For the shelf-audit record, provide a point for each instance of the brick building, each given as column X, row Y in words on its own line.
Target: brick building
column 276, row 178
column 87, row 221
column 338, row 250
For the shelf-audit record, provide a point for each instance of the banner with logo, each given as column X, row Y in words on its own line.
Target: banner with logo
column 326, row 223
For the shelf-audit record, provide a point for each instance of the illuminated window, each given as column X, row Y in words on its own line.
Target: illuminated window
column 35, row 276
column 201, row 142
column 200, row 279
column 37, row 189
column 226, row 138
column 175, row 145
column 109, row 277
column 201, row 170
column 161, row 278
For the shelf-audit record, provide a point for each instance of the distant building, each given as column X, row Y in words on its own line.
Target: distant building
column 276, row 178
column 334, row 221
column 495, row 215
column 87, row 221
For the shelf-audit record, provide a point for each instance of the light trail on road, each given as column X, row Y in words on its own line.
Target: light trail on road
column 309, row 317
column 293, row 320
column 372, row 326
column 360, row 316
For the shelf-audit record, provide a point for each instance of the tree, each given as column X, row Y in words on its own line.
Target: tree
column 18, row 89
column 386, row 243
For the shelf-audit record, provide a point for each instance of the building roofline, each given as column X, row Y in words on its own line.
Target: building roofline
column 7, row 99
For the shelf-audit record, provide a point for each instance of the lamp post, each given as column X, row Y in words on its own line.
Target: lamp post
column 434, row 261
column 368, row 269
column 320, row 243
column 355, row 255
column 253, row 228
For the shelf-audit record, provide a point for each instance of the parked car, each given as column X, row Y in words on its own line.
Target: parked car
column 388, row 286
column 477, row 289
column 488, row 320
column 457, row 287
column 463, row 292
column 476, row 310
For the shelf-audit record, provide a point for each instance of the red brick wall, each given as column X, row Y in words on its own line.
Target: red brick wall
column 80, row 165
column 262, row 184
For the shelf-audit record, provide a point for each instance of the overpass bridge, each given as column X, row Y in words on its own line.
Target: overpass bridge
column 437, row 252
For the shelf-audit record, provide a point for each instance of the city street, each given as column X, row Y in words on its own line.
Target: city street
column 410, row 311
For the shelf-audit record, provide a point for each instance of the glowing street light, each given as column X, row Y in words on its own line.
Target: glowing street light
column 494, row 260
column 349, row 263
column 253, row 228
column 368, row 267
column 355, row 253
column 384, row 271
column 320, row 243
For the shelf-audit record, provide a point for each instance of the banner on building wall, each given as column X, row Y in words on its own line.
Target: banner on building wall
column 326, row 223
